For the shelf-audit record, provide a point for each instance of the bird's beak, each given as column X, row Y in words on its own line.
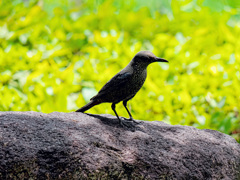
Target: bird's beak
column 161, row 60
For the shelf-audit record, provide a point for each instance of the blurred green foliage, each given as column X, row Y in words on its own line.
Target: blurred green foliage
column 55, row 55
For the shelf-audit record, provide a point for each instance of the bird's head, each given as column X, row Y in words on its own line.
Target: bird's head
column 146, row 57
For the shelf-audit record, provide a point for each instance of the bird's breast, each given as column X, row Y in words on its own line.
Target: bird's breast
column 139, row 79
column 136, row 83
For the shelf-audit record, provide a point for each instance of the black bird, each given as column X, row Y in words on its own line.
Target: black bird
column 125, row 84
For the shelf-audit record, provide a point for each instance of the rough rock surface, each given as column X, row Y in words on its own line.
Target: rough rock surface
column 73, row 145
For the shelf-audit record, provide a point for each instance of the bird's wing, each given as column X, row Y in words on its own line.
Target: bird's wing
column 114, row 84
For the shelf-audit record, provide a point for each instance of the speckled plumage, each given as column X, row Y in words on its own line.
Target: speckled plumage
column 125, row 84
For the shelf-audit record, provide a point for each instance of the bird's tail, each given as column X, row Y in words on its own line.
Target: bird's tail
column 87, row 106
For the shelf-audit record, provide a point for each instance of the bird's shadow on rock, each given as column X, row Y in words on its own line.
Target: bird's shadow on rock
column 114, row 122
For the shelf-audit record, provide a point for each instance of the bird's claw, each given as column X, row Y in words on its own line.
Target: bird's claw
column 132, row 120
column 130, row 123
column 125, row 123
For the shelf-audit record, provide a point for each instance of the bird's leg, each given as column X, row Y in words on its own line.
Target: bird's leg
column 131, row 118
column 120, row 121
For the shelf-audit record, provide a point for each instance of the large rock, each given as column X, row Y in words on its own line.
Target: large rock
column 34, row 145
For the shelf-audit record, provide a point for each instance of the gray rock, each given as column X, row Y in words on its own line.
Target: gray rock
column 74, row 145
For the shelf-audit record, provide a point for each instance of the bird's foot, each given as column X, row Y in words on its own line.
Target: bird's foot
column 132, row 120
column 125, row 123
